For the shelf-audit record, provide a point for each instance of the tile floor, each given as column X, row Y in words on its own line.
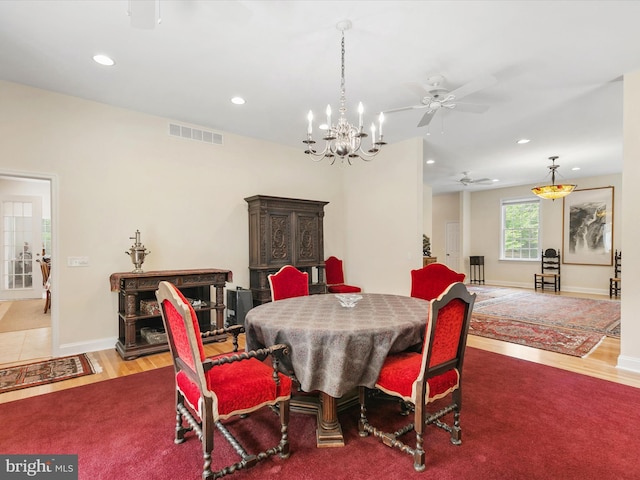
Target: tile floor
column 25, row 345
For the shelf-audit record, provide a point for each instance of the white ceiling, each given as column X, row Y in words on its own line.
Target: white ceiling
column 558, row 64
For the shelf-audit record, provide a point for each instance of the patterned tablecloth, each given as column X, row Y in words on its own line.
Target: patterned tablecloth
column 333, row 348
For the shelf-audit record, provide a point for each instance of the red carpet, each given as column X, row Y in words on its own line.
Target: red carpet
column 520, row 421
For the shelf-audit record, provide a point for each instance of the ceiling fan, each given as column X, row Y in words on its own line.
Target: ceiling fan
column 467, row 180
column 434, row 97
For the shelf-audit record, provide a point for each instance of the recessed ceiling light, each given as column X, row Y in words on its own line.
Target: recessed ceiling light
column 238, row 100
column 495, row 180
column 430, row 162
column 575, row 168
column 104, row 60
column 523, row 141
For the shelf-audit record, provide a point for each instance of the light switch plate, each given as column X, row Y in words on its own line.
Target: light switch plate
column 78, row 261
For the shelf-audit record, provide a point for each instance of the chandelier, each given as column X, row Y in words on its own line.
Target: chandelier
column 343, row 139
column 553, row 191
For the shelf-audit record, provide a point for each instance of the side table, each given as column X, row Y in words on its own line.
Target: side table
column 476, row 270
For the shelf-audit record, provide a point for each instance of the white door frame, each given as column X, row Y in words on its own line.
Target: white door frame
column 53, row 192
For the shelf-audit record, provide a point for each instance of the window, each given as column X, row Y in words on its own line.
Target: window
column 520, row 229
column 17, row 239
column 46, row 236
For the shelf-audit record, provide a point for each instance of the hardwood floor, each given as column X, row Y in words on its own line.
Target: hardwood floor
column 601, row 363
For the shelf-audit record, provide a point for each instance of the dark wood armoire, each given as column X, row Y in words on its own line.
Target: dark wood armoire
column 285, row 231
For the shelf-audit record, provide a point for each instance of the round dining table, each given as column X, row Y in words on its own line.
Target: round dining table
column 335, row 349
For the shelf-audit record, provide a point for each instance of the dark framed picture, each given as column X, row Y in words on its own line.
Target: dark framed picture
column 587, row 227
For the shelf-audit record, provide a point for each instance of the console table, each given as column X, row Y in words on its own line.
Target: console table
column 427, row 260
column 476, row 269
column 134, row 288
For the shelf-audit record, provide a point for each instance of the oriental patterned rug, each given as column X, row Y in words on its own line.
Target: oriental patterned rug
column 45, row 372
column 569, row 325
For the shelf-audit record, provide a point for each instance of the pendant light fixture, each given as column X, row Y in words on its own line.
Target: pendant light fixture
column 553, row 191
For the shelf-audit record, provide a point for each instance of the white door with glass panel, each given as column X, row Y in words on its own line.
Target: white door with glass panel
column 20, row 273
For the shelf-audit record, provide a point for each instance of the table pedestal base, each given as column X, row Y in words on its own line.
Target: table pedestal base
column 326, row 408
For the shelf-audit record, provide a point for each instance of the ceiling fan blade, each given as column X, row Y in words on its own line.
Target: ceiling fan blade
column 471, row 107
column 402, row 109
column 468, row 180
column 474, row 86
column 426, row 119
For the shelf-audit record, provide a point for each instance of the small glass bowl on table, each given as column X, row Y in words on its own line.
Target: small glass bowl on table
column 348, row 300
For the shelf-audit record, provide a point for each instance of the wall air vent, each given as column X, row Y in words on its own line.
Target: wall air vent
column 197, row 134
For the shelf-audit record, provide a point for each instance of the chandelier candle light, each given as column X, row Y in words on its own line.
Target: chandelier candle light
column 344, row 139
column 553, row 191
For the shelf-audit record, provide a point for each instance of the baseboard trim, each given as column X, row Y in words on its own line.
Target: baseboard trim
column 84, row 347
column 630, row 364
column 566, row 289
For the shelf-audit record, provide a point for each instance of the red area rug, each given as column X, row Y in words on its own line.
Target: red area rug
column 568, row 325
column 520, row 420
column 47, row 371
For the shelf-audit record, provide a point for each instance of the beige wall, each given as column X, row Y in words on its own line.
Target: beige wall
column 384, row 205
column 630, row 346
column 114, row 171
column 427, row 214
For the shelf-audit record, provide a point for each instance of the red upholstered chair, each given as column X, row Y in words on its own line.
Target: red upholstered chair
column 335, row 277
column 433, row 279
column 433, row 374
column 288, row 282
column 211, row 390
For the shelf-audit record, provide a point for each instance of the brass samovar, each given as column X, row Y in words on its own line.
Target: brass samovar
column 137, row 252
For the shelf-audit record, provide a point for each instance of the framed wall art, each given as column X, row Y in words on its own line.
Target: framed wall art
column 587, row 227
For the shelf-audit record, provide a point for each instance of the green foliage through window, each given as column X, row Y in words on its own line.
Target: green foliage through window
column 520, row 229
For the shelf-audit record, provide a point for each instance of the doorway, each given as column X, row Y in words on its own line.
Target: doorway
column 452, row 246
column 25, row 230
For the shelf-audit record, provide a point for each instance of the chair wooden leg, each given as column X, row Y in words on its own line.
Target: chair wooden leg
column 456, row 431
column 284, row 408
column 47, row 302
column 362, row 394
column 207, row 445
column 180, row 429
column 419, row 427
